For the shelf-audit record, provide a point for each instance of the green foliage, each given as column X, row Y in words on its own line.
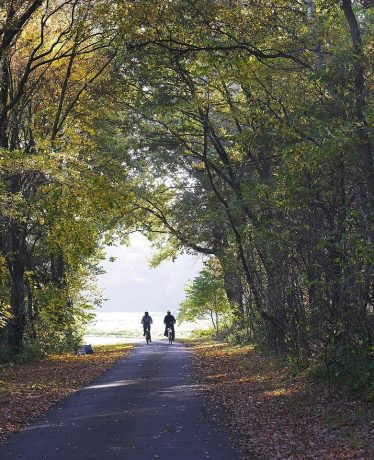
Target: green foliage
column 258, row 130
column 236, row 336
column 31, row 351
column 62, row 186
column 349, row 367
column 202, row 334
column 205, row 297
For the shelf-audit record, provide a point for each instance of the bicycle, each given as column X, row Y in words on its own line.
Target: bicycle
column 170, row 335
column 147, row 334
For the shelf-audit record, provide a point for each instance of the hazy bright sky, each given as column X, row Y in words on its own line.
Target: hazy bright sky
column 130, row 285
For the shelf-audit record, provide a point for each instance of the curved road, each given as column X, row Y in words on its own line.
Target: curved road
column 146, row 407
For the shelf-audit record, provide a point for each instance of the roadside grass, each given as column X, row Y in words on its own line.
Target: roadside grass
column 272, row 412
column 27, row 390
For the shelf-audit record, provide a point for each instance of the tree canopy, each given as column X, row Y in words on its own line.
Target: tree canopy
column 238, row 130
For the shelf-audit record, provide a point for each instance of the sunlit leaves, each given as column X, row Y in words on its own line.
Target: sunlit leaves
column 205, row 296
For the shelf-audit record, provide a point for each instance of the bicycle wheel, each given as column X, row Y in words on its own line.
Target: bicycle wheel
column 170, row 336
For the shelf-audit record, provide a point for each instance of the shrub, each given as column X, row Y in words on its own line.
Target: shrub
column 349, row 367
column 202, row 334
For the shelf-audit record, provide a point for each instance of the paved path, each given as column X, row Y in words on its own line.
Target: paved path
column 146, row 407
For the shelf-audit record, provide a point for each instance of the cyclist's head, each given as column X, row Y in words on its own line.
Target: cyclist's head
column 168, row 312
column 146, row 313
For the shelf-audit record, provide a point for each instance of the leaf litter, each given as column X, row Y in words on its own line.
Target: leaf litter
column 28, row 390
column 272, row 414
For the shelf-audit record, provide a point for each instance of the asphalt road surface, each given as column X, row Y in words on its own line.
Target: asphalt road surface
column 146, row 407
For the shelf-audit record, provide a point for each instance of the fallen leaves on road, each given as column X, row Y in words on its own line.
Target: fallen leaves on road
column 27, row 390
column 272, row 414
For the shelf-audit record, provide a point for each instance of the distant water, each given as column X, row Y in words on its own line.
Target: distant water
column 115, row 327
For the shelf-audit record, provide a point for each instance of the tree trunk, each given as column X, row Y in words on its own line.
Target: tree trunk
column 16, row 265
column 364, row 144
column 30, row 310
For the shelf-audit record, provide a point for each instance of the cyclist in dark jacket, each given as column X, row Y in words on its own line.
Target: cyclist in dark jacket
column 146, row 321
column 169, row 321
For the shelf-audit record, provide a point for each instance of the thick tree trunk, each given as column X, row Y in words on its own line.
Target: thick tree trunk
column 16, row 265
column 233, row 287
column 17, row 299
column 364, row 132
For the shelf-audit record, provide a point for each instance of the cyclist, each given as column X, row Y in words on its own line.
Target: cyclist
column 169, row 321
column 146, row 321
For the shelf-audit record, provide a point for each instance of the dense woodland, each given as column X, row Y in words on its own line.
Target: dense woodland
column 242, row 130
